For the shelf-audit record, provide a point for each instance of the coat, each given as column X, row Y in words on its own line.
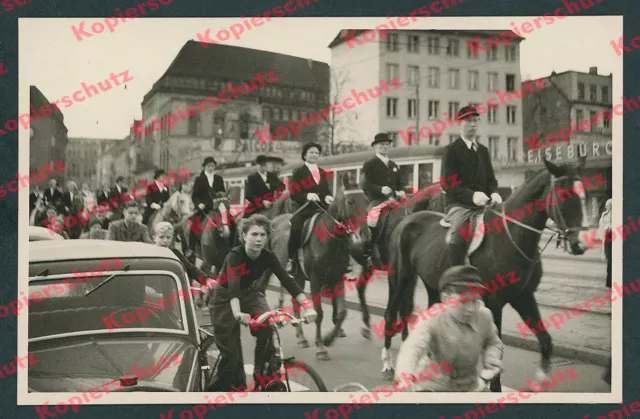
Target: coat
column 258, row 190
column 302, row 183
column 376, row 175
column 204, row 194
column 55, row 199
column 138, row 232
column 468, row 172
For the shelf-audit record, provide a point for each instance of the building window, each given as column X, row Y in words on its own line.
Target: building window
column 434, row 107
column 452, row 138
column 594, row 123
column 511, row 82
column 406, row 175
column 471, row 50
column 494, row 144
column 510, row 53
column 493, row 81
column 244, row 122
column 433, row 46
column 392, row 71
column 414, row 74
column 511, row 115
column 425, row 175
column 453, row 109
column 453, row 48
column 392, row 42
column 393, row 136
column 606, row 119
column 474, row 80
column 579, row 115
column 512, row 148
column 266, row 113
column 492, row 53
column 605, row 94
column 454, row 78
column 194, row 125
column 412, row 108
column 413, row 42
column 434, row 77
column 580, row 91
column 392, row 107
column 593, row 93
column 434, row 139
column 492, row 114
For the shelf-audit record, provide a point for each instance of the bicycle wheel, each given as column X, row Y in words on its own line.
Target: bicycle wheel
column 303, row 378
column 209, row 355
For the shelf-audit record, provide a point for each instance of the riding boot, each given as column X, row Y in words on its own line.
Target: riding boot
column 457, row 253
column 372, row 252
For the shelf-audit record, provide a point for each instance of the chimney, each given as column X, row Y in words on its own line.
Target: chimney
column 310, row 62
column 593, row 71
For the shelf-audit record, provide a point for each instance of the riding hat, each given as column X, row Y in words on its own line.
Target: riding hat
column 208, row 160
column 159, row 173
column 466, row 113
column 275, row 159
column 463, row 275
column 306, row 148
column 383, row 137
column 261, row 159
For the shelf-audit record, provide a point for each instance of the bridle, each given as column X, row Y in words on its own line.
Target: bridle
column 348, row 230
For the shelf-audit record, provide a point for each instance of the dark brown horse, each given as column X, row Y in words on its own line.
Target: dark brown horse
column 325, row 257
column 509, row 246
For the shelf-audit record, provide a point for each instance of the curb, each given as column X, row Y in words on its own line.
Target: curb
column 564, row 350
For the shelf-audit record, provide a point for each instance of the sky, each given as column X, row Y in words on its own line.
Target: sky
column 58, row 64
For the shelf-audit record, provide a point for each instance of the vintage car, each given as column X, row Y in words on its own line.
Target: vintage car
column 111, row 312
column 41, row 233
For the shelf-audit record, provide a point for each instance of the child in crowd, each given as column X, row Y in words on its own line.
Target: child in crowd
column 464, row 335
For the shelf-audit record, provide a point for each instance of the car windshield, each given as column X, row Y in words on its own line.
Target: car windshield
column 125, row 302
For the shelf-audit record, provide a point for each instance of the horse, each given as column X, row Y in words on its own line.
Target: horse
column 417, row 248
column 324, row 257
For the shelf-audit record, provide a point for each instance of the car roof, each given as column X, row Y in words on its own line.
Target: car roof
column 51, row 250
column 40, row 233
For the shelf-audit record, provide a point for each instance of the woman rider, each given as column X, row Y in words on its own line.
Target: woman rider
column 239, row 298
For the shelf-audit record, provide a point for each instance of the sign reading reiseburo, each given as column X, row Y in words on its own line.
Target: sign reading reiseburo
column 562, row 153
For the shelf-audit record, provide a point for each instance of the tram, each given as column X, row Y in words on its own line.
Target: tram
column 419, row 166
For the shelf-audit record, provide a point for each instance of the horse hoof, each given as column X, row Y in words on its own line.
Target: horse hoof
column 541, row 375
column 329, row 341
column 388, row 375
column 342, row 334
column 323, row 356
column 303, row 343
column 366, row 333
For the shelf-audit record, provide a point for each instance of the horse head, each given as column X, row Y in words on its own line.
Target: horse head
column 348, row 208
column 568, row 212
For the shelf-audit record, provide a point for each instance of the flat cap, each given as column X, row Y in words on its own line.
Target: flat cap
column 462, row 275
column 466, row 113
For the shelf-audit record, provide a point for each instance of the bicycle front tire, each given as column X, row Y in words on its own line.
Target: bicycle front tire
column 298, row 371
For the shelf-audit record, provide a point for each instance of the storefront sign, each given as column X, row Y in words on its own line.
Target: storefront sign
column 253, row 146
column 560, row 153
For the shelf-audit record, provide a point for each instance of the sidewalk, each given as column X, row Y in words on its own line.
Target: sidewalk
column 586, row 338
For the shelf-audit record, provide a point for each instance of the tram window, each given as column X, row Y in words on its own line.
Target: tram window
column 406, row 176
column 234, row 192
column 425, row 175
column 353, row 174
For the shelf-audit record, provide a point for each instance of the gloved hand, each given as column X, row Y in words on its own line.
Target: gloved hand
column 480, row 198
column 313, row 197
column 495, row 197
column 155, row 206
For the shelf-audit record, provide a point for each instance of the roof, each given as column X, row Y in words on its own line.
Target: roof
column 38, row 99
column 52, row 250
column 339, row 40
column 228, row 62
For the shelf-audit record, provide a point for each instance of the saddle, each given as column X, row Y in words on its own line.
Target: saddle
column 476, row 239
column 307, row 231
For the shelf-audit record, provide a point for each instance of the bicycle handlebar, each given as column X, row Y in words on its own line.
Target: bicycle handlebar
column 265, row 317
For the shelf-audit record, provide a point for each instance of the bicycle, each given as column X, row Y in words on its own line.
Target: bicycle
column 276, row 319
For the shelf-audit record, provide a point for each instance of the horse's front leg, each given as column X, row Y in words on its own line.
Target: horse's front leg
column 341, row 307
column 361, row 286
column 321, row 351
column 334, row 317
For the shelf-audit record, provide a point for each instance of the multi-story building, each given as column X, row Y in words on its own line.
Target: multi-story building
column 82, row 160
column 48, row 134
column 227, row 131
column 571, row 97
column 439, row 73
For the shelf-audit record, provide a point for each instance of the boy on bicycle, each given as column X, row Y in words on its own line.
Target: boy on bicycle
column 464, row 335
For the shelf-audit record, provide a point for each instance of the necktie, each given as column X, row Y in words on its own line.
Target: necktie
column 474, row 146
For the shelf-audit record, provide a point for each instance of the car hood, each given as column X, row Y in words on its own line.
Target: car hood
column 83, row 366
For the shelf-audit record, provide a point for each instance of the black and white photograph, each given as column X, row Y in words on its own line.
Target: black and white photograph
column 376, row 208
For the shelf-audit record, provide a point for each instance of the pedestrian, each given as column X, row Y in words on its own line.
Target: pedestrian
column 96, row 232
column 129, row 229
column 604, row 231
column 463, row 336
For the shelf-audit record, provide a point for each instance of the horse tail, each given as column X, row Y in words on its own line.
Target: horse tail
column 401, row 274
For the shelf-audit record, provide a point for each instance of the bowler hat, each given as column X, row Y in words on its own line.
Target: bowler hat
column 261, row 159
column 159, row 173
column 208, row 160
column 462, row 275
column 466, row 113
column 275, row 159
column 308, row 146
column 383, row 137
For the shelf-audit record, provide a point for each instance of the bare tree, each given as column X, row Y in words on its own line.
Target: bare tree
column 339, row 122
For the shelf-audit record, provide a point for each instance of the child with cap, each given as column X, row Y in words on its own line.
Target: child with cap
column 463, row 335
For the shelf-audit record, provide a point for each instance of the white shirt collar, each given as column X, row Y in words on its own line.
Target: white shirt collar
column 311, row 167
column 161, row 188
column 384, row 159
column 263, row 176
column 469, row 142
column 209, row 175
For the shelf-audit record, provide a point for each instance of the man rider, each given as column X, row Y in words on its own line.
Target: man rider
column 262, row 186
column 381, row 184
column 476, row 184
column 313, row 187
column 157, row 195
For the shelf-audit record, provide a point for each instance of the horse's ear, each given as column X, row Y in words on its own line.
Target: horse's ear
column 553, row 169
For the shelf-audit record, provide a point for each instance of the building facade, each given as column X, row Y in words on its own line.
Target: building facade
column 439, row 73
column 48, row 135
column 571, row 97
column 227, row 128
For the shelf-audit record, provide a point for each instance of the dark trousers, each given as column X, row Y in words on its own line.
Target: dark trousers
column 607, row 253
column 230, row 374
column 297, row 223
